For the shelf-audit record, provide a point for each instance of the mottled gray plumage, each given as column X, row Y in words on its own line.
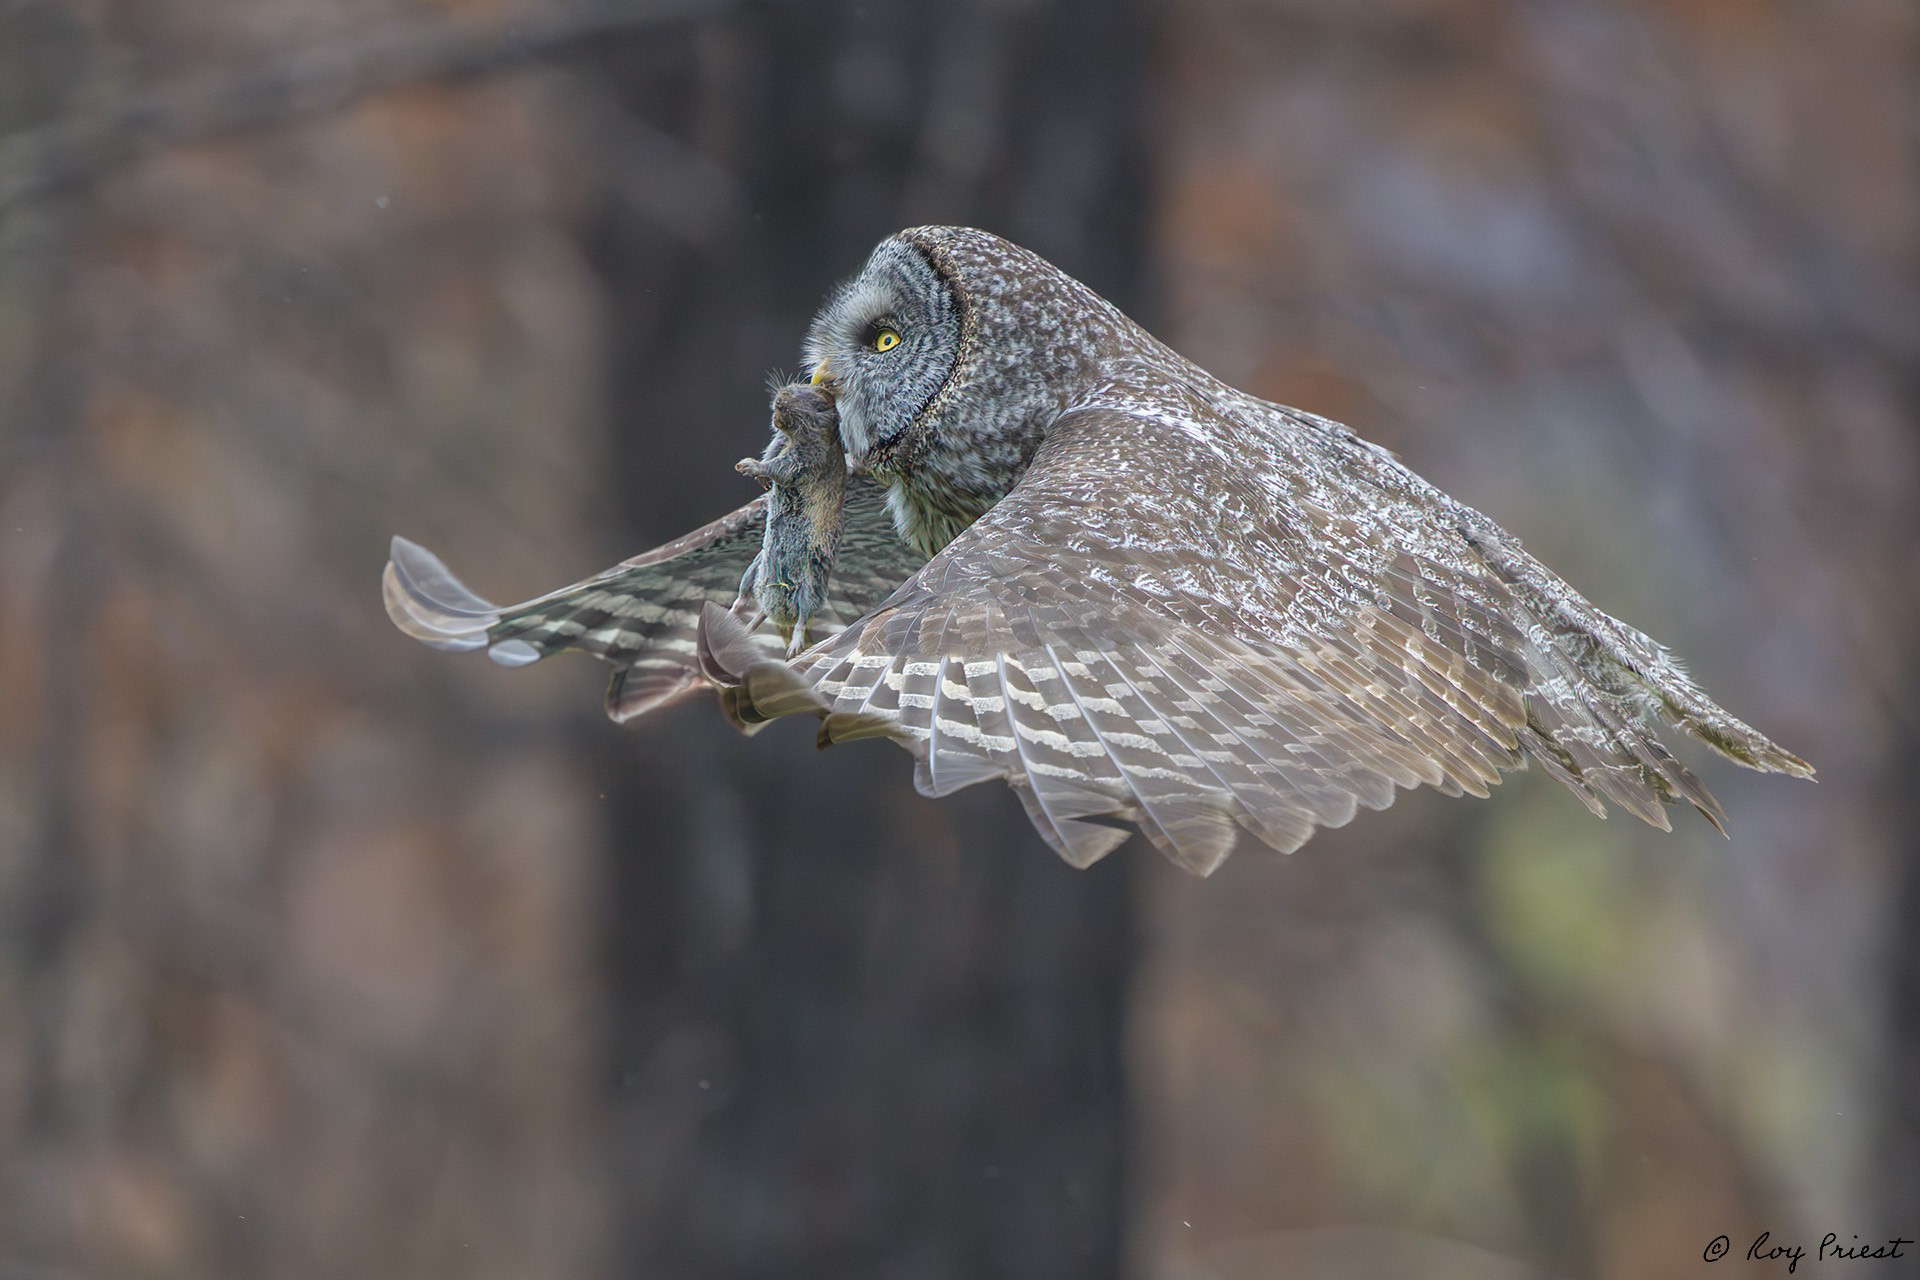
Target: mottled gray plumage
column 1151, row 598
column 805, row 473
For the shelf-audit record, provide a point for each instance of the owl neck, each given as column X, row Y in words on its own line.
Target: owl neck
column 925, row 526
column 946, row 473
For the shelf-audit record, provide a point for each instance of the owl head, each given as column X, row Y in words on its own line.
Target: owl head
column 951, row 351
column 886, row 344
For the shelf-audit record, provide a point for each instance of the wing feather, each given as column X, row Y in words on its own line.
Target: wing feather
column 1226, row 652
column 642, row 616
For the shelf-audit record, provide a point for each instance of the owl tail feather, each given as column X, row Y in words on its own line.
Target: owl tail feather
column 427, row 602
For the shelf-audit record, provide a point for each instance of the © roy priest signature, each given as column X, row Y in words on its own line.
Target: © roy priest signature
column 1830, row 1249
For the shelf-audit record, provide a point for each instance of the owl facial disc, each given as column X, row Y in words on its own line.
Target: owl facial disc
column 886, row 342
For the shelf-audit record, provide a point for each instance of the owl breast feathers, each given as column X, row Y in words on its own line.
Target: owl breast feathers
column 1071, row 559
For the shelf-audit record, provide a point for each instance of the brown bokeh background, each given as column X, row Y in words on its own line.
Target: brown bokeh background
column 324, row 955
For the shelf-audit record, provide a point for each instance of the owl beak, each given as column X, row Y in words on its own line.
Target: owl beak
column 822, row 372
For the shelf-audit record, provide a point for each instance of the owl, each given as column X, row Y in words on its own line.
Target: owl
column 1071, row 559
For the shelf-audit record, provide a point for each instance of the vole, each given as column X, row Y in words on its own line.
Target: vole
column 804, row 471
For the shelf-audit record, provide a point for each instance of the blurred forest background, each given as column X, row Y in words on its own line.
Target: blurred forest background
column 325, row 955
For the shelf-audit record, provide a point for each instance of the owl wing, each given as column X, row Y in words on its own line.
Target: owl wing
column 640, row 616
column 1142, row 631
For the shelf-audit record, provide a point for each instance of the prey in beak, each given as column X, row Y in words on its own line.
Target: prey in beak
column 805, row 474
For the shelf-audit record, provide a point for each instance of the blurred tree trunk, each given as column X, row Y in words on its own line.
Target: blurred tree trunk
column 852, row 1032
column 1901, row 1149
column 38, row 920
column 243, row 844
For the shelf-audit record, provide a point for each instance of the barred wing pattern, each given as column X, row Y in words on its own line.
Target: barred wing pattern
column 1144, row 631
column 641, row 615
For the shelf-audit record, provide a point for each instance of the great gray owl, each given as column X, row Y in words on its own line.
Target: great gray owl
column 1076, row 561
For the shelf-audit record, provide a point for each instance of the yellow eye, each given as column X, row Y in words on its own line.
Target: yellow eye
column 885, row 340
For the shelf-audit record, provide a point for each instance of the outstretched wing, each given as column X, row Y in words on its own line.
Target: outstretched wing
column 640, row 616
column 1147, row 630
